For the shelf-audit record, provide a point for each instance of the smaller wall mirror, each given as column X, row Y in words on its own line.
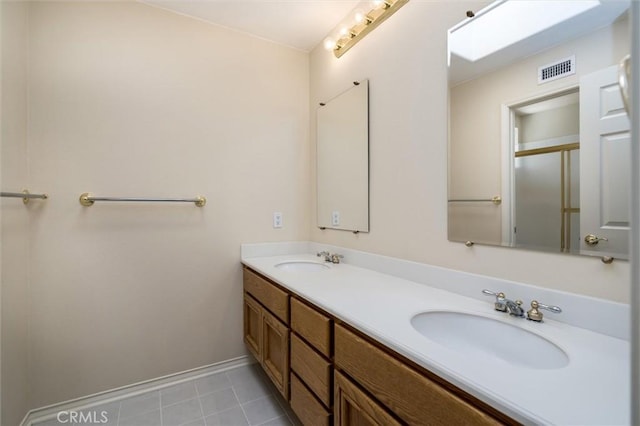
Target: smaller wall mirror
column 343, row 160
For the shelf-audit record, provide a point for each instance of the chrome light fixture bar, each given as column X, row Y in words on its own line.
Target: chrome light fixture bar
column 371, row 20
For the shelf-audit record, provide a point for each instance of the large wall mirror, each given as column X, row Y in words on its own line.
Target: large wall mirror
column 343, row 160
column 539, row 141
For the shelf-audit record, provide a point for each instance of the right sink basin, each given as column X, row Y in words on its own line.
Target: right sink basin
column 475, row 334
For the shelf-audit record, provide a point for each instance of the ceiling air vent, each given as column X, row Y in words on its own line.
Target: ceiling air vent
column 556, row 70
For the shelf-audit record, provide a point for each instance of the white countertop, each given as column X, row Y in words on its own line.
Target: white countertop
column 593, row 389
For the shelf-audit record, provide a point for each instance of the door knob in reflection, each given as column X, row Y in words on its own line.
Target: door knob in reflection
column 592, row 240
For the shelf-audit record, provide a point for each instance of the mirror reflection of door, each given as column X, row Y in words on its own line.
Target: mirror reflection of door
column 606, row 144
column 546, row 190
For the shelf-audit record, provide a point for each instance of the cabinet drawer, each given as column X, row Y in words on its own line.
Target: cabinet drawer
column 313, row 326
column 414, row 398
column 312, row 368
column 274, row 299
column 307, row 408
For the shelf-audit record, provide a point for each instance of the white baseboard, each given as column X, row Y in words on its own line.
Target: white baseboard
column 51, row 411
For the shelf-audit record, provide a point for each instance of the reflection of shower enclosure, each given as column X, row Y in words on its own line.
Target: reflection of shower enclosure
column 546, row 190
column 547, row 197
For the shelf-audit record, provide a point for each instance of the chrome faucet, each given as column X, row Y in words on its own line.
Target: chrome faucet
column 329, row 257
column 503, row 304
column 514, row 308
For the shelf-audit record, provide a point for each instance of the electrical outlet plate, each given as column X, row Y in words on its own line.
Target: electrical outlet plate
column 335, row 218
column 277, row 219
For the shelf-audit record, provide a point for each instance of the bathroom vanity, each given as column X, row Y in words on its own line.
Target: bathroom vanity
column 343, row 344
column 305, row 350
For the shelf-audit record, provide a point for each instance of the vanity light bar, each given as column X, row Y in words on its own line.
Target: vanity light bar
column 371, row 20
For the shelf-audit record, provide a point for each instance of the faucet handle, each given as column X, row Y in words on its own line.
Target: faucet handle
column 335, row 258
column 500, row 303
column 534, row 313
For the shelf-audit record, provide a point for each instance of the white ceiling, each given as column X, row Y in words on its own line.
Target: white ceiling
column 301, row 24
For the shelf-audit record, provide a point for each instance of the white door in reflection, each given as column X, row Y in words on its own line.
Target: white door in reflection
column 606, row 155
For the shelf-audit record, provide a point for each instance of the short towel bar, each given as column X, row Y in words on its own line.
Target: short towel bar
column 495, row 200
column 87, row 200
column 25, row 195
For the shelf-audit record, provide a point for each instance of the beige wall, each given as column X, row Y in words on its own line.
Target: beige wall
column 406, row 63
column 14, row 214
column 130, row 100
column 554, row 123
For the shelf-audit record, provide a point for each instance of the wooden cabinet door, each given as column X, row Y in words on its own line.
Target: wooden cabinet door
column 253, row 326
column 352, row 407
column 275, row 352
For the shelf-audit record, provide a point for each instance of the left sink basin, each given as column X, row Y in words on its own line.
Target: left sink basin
column 301, row 265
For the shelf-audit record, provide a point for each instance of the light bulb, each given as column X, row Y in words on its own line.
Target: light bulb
column 329, row 43
column 344, row 31
column 358, row 16
column 377, row 3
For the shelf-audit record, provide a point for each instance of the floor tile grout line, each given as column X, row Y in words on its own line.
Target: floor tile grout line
column 141, row 412
column 119, row 408
column 271, row 396
column 197, row 390
column 200, row 395
column 160, row 402
column 286, row 411
column 241, row 408
column 181, row 401
column 138, row 413
column 268, row 420
column 200, row 404
column 255, row 399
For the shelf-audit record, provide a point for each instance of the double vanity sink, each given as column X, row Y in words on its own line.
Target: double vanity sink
column 545, row 372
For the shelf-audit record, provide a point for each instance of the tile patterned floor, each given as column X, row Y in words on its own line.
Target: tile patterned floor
column 238, row 397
